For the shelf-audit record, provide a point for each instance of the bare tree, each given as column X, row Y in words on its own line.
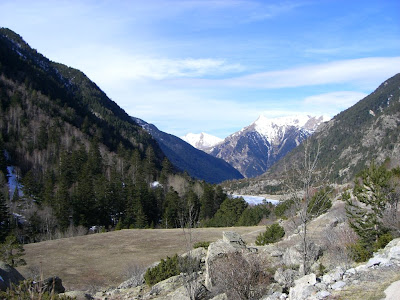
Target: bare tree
column 303, row 183
column 189, row 264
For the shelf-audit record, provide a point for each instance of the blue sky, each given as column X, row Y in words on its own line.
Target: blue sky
column 214, row 66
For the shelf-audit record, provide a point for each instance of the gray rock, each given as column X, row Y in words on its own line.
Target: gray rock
column 376, row 260
column 276, row 253
column 304, row 288
column 8, row 275
column 327, row 279
column 231, row 243
column 285, row 277
column 275, row 296
column 338, row 285
column 234, row 239
column 338, row 274
column 220, row 297
column 323, row 294
column 293, row 256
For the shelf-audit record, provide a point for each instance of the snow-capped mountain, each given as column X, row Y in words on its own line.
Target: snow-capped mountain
column 258, row 146
column 202, row 140
column 187, row 158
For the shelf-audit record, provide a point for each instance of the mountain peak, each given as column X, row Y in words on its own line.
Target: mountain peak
column 201, row 140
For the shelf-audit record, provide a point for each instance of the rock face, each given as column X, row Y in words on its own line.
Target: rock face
column 230, row 243
column 8, row 275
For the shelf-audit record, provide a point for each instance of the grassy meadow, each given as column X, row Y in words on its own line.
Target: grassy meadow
column 106, row 259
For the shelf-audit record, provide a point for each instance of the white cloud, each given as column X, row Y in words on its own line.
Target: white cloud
column 340, row 99
column 365, row 72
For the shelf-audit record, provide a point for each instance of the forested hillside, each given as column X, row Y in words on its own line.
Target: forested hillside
column 71, row 157
column 197, row 163
column 368, row 131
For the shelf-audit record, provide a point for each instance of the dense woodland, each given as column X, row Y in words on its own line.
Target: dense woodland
column 81, row 161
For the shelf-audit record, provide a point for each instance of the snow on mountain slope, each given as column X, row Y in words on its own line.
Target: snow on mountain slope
column 258, row 146
column 201, row 140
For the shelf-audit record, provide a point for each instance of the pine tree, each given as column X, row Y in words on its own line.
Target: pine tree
column 11, row 251
column 372, row 190
column 4, row 218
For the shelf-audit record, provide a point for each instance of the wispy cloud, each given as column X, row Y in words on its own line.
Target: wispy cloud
column 334, row 102
column 355, row 71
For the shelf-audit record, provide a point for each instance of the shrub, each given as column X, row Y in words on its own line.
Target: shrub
column 272, row 234
column 203, row 244
column 169, row 267
column 282, row 207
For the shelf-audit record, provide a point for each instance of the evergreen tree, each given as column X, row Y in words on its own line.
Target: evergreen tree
column 372, row 190
column 11, row 251
column 4, row 218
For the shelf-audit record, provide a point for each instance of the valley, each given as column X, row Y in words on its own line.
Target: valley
column 106, row 259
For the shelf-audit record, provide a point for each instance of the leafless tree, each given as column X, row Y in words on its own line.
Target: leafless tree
column 240, row 276
column 189, row 264
column 303, row 182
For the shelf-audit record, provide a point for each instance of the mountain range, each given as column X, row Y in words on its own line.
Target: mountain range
column 258, row 146
column 368, row 131
column 185, row 157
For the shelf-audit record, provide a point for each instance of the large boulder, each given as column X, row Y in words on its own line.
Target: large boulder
column 304, row 288
column 285, row 277
column 231, row 242
column 293, row 256
column 8, row 276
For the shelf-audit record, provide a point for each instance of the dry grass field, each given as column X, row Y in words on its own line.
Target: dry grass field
column 103, row 259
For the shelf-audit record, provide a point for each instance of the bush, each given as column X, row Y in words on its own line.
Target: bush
column 169, row 267
column 272, row 234
column 282, row 207
column 359, row 252
column 203, row 244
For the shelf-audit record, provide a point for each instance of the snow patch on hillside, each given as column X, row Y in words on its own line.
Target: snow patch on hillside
column 201, row 140
column 255, row 200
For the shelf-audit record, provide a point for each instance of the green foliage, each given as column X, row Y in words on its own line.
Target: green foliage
column 251, row 216
column 359, row 251
column 281, row 208
column 374, row 190
column 203, row 244
column 320, row 202
column 229, row 213
column 272, row 234
column 28, row 290
column 382, row 241
column 169, row 267
column 11, row 251
column 4, row 218
column 165, row 269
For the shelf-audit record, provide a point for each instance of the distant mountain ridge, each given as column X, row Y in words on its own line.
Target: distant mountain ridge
column 201, row 140
column 367, row 131
column 197, row 163
column 258, row 146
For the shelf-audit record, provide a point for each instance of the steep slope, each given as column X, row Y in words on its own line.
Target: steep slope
column 202, row 140
column 197, row 163
column 77, row 155
column 369, row 130
column 255, row 148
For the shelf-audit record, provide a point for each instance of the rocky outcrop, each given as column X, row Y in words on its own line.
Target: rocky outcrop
column 312, row 288
column 8, row 276
column 231, row 242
